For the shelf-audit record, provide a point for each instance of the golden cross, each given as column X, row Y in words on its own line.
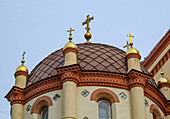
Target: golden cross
column 131, row 43
column 23, row 55
column 127, row 45
column 87, row 22
column 70, row 31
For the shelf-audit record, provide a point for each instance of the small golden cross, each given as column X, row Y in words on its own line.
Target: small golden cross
column 70, row 31
column 87, row 22
column 131, row 43
column 127, row 45
column 23, row 55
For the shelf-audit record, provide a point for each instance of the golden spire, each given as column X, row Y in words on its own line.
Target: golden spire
column 131, row 49
column 131, row 43
column 70, row 44
column 23, row 61
column 88, row 34
column 70, row 37
column 22, row 67
column 163, row 79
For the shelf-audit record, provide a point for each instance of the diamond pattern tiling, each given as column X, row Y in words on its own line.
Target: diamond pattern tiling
column 97, row 57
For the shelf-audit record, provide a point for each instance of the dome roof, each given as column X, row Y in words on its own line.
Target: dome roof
column 93, row 57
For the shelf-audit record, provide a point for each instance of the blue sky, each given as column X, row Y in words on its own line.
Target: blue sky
column 39, row 28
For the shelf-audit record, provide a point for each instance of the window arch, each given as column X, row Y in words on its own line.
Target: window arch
column 155, row 112
column 40, row 104
column 104, row 94
column 104, row 110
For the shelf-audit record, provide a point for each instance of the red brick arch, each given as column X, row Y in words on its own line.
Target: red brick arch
column 40, row 104
column 105, row 94
column 154, row 110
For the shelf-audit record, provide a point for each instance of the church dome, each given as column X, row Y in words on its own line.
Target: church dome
column 91, row 57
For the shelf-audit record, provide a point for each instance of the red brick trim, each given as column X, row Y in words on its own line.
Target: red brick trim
column 160, row 63
column 105, row 94
column 164, row 85
column 40, row 104
column 154, row 110
column 132, row 55
column 157, row 50
column 15, row 95
column 90, row 78
column 70, row 50
column 136, row 79
column 21, row 73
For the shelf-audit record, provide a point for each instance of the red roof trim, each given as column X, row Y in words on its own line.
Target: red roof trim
column 158, row 49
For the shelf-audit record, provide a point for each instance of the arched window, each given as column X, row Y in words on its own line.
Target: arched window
column 154, row 116
column 104, row 110
column 44, row 113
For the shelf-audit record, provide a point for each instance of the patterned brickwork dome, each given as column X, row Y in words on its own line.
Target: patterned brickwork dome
column 91, row 57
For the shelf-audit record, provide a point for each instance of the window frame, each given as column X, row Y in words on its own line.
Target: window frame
column 46, row 108
column 109, row 109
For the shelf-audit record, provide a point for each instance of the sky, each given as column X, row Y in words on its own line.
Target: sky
column 39, row 27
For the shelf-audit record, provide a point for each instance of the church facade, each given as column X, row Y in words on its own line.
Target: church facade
column 94, row 81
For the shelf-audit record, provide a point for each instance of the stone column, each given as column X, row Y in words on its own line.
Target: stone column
column 168, row 117
column 69, row 76
column 17, row 107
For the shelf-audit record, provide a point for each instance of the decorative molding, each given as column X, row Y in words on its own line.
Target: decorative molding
column 164, row 85
column 106, row 94
column 42, row 87
column 85, row 93
column 137, row 79
column 132, row 55
column 158, row 49
column 40, row 104
column 154, row 95
column 160, row 63
column 154, row 110
column 70, row 50
column 89, row 78
column 21, row 73
column 15, row 95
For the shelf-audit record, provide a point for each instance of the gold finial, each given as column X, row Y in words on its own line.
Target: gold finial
column 131, row 43
column 127, row 45
column 70, row 37
column 23, row 61
column 88, row 34
column 162, row 73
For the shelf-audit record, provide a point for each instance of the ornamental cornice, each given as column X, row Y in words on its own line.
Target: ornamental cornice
column 16, row 95
column 71, row 68
column 21, row 73
column 137, row 79
column 153, row 94
column 42, row 87
column 89, row 78
column 70, row 50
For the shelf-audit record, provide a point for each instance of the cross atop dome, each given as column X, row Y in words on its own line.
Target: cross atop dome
column 70, row 37
column 131, row 43
column 88, row 34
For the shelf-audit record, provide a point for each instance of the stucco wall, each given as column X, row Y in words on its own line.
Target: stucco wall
column 88, row 108
column 148, row 114
column 55, row 111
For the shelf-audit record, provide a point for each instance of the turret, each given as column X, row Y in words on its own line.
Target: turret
column 70, row 51
column 21, row 74
column 136, row 83
column 132, row 56
column 164, row 86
